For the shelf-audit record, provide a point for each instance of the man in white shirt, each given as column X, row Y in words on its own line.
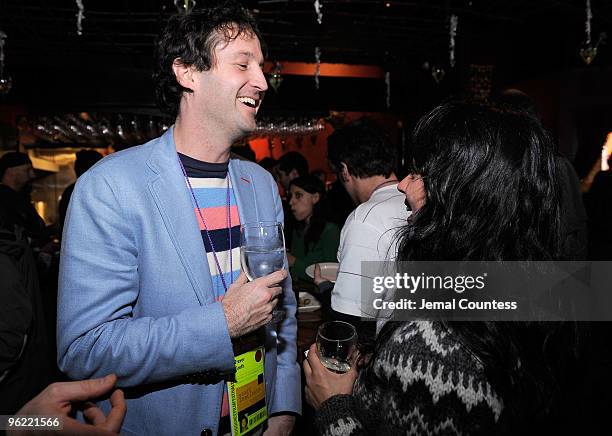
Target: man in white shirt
column 364, row 160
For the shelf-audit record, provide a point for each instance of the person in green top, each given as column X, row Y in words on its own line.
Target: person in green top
column 314, row 239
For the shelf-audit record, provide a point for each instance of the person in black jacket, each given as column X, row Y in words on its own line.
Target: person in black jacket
column 16, row 175
column 24, row 363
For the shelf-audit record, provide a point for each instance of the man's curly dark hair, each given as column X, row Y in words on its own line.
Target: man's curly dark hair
column 192, row 38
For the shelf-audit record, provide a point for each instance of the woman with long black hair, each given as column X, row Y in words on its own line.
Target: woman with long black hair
column 482, row 188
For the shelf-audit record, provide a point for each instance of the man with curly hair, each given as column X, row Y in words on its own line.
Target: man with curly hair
column 150, row 281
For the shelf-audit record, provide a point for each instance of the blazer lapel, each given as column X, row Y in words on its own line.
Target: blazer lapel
column 173, row 200
column 244, row 190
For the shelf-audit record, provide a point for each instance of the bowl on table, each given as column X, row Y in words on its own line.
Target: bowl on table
column 307, row 302
column 329, row 270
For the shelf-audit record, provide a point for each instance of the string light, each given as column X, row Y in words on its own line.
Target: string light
column 454, row 20
column 318, row 66
column 5, row 80
column 388, row 83
column 588, row 50
column 587, row 24
column 80, row 17
column 184, row 6
column 319, row 11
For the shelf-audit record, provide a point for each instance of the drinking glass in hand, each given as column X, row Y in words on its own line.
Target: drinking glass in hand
column 262, row 252
column 337, row 345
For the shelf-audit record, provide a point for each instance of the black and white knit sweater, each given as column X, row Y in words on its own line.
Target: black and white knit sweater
column 422, row 382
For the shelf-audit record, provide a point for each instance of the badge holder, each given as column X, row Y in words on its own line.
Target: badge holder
column 247, row 394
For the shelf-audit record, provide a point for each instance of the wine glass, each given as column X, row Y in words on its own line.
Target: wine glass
column 262, row 252
column 337, row 345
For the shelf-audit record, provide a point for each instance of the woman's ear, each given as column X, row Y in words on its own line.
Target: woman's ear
column 315, row 198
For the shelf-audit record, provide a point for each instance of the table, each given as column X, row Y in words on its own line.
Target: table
column 308, row 322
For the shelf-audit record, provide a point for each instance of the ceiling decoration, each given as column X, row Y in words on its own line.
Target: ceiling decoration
column 354, row 31
column 589, row 50
column 80, row 16
column 521, row 38
column 454, row 21
column 5, row 80
column 319, row 11
column 184, row 6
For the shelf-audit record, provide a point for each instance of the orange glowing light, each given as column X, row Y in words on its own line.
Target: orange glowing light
column 606, row 152
column 328, row 70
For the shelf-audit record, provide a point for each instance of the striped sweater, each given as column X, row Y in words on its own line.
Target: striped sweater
column 210, row 187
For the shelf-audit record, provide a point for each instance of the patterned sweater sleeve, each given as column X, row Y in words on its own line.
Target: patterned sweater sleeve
column 340, row 415
column 421, row 382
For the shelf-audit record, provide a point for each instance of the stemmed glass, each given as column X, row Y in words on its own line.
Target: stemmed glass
column 262, row 252
column 337, row 345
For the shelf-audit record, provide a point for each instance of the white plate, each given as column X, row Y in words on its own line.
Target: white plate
column 329, row 271
column 307, row 302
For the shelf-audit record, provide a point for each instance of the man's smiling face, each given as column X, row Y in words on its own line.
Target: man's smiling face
column 230, row 93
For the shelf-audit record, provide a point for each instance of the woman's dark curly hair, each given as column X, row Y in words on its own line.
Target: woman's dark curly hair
column 313, row 185
column 491, row 194
column 191, row 38
column 490, row 183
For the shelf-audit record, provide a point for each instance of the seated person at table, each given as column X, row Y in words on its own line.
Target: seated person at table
column 482, row 187
column 314, row 239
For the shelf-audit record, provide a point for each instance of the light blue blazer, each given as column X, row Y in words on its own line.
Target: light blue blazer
column 135, row 292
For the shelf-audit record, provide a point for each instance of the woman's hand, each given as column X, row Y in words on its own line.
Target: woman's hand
column 318, row 278
column 321, row 383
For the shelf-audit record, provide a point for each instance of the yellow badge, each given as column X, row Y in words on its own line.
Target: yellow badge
column 247, row 395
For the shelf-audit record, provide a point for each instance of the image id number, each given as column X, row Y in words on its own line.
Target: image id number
column 31, row 422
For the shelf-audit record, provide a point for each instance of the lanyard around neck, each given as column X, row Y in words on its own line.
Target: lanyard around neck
column 229, row 225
